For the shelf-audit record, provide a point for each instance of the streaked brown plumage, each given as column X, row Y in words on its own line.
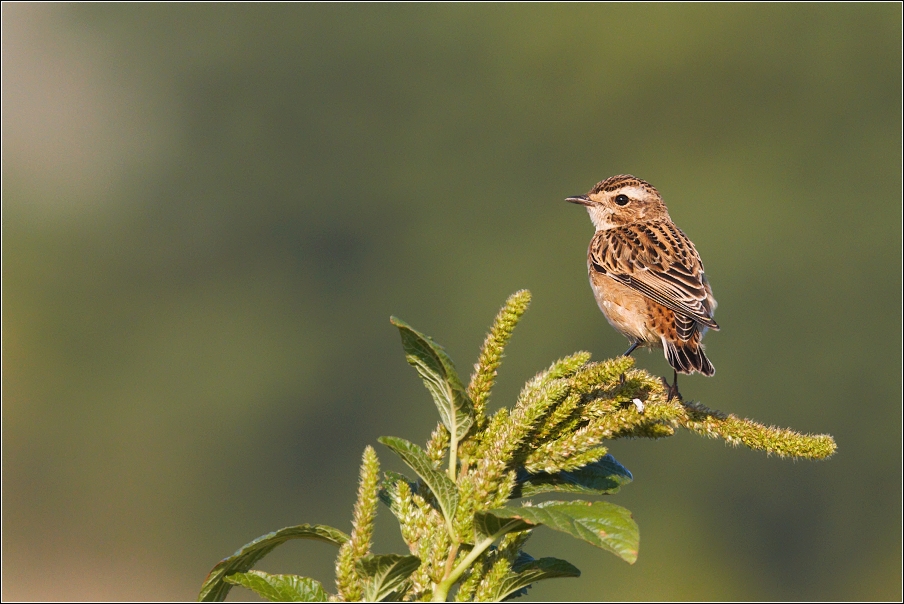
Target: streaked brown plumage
column 646, row 274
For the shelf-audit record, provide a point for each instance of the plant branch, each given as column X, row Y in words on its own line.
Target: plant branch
column 442, row 590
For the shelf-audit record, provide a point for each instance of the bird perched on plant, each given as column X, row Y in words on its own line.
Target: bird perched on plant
column 646, row 275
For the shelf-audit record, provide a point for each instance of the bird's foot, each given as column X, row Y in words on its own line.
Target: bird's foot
column 672, row 389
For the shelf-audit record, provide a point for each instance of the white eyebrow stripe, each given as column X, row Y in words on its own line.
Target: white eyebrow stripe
column 634, row 192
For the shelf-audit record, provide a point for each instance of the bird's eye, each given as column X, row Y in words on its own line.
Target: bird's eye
column 622, row 200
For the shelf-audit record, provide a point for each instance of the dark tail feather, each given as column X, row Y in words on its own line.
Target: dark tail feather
column 688, row 357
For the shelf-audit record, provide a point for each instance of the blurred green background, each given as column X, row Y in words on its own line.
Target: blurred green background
column 210, row 212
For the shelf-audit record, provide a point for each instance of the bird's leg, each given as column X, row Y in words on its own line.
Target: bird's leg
column 630, row 350
column 621, row 378
column 672, row 389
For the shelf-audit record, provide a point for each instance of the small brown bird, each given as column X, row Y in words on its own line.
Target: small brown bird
column 646, row 274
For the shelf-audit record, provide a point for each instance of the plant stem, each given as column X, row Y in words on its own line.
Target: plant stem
column 442, row 590
column 450, row 560
column 453, row 455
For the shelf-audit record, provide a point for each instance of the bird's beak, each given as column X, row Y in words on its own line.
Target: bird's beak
column 581, row 199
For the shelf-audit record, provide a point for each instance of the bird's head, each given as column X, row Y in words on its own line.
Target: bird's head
column 621, row 200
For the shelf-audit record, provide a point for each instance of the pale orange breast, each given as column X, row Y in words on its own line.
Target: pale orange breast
column 632, row 314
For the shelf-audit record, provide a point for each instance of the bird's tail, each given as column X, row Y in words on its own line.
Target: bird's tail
column 688, row 357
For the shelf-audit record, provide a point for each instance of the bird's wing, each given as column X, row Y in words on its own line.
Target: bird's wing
column 659, row 261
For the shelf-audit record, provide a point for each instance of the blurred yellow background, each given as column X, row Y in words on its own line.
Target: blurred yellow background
column 210, row 212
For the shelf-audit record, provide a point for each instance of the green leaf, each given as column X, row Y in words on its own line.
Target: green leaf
column 602, row 477
column 385, row 574
column 215, row 588
column 531, row 572
column 600, row 523
column 280, row 588
column 443, row 489
column 438, row 373
column 487, row 524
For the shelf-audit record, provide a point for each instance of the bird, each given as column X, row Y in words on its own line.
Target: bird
column 647, row 276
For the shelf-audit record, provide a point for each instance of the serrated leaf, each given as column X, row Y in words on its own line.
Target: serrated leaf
column 520, row 562
column 215, row 589
column 439, row 376
column 516, row 583
column 280, row 588
column 443, row 489
column 385, row 574
column 599, row 523
column 602, row 477
column 487, row 524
